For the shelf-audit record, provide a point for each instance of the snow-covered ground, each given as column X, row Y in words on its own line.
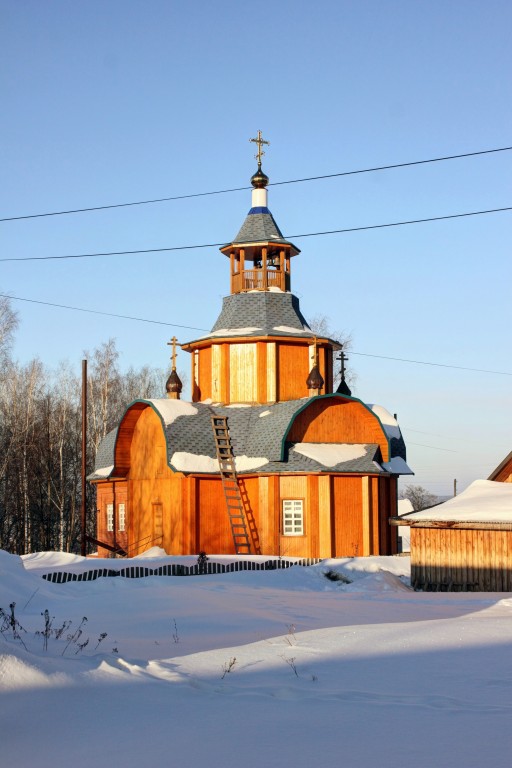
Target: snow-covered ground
column 263, row 669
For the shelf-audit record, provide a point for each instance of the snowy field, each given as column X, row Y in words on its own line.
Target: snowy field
column 252, row 669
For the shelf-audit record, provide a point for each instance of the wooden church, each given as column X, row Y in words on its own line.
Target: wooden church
column 266, row 458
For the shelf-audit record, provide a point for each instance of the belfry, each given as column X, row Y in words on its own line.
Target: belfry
column 266, row 458
column 261, row 349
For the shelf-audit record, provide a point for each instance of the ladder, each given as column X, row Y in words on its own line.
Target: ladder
column 234, row 503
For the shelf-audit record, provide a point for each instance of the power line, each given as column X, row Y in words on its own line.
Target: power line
column 248, row 242
column 206, row 330
column 98, row 312
column 240, row 189
column 433, row 447
column 438, row 365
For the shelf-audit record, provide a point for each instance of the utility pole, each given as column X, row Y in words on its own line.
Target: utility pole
column 454, row 487
column 83, row 515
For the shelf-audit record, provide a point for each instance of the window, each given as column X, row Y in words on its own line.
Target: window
column 121, row 517
column 293, row 517
column 110, row 517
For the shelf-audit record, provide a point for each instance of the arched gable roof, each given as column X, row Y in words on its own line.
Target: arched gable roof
column 360, row 424
column 168, row 411
column 267, row 438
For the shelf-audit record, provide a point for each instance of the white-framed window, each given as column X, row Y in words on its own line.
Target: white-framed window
column 121, row 516
column 110, row 517
column 293, row 517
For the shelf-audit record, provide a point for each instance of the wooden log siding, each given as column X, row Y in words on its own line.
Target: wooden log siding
column 461, row 558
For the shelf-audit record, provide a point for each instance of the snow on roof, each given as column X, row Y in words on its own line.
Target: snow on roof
column 191, row 462
column 232, row 332
column 397, row 466
column 288, row 329
column 104, row 471
column 483, row 501
column 405, row 506
column 170, row 410
column 330, row 454
column 388, row 421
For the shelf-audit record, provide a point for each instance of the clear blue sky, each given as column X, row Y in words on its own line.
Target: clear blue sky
column 120, row 101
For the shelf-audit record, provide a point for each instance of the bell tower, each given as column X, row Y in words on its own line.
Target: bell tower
column 261, row 350
column 259, row 255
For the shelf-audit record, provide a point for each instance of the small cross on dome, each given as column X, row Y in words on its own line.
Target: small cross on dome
column 259, row 141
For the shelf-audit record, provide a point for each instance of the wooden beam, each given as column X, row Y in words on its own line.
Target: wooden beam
column 366, row 512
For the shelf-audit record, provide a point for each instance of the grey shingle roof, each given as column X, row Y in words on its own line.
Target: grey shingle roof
column 260, row 226
column 105, row 454
column 256, row 431
column 261, row 313
column 263, row 310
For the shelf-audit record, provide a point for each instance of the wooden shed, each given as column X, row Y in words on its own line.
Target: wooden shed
column 503, row 472
column 465, row 543
column 267, row 458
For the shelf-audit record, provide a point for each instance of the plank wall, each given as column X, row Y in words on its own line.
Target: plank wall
column 115, row 493
column 243, row 370
column 462, row 558
column 248, row 371
column 268, row 514
column 155, row 492
column 348, row 516
column 204, row 374
column 214, row 532
column 292, row 371
column 296, row 487
column 338, row 421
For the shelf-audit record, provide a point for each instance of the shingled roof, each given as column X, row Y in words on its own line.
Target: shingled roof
column 261, row 313
column 260, row 226
column 258, row 439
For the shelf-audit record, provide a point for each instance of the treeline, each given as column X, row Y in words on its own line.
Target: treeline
column 40, row 439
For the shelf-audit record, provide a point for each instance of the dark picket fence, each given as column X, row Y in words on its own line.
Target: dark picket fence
column 175, row 569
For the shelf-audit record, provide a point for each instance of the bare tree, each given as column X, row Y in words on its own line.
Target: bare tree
column 103, row 390
column 8, row 325
column 40, row 440
column 141, row 384
column 419, row 497
column 320, row 324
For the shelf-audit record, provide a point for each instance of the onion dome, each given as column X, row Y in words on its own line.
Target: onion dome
column 314, row 380
column 173, row 385
column 259, row 180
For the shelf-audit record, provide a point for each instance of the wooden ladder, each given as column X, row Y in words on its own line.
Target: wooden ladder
column 234, row 502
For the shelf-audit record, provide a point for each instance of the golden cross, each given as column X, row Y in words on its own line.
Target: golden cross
column 173, row 342
column 259, row 141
